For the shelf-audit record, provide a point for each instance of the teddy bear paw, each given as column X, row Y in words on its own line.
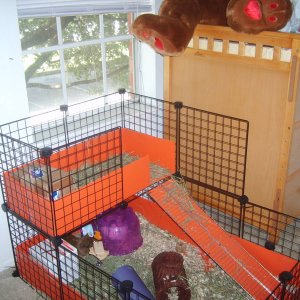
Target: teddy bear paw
column 254, row 16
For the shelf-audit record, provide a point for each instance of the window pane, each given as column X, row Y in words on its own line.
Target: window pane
column 119, row 65
column 84, row 76
column 50, row 84
column 115, row 24
column 80, row 28
column 38, row 32
column 43, row 80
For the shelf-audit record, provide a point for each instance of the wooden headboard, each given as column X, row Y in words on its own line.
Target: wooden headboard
column 252, row 77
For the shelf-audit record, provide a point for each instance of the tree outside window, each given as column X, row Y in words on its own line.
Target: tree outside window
column 75, row 58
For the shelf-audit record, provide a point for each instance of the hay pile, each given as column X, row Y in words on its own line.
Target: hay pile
column 205, row 285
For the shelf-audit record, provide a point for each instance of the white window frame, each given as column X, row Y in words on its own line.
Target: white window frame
column 49, row 8
column 61, row 46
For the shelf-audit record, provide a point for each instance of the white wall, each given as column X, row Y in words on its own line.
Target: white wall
column 150, row 69
column 13, row 97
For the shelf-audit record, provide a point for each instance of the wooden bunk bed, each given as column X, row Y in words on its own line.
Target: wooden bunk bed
column 252, row 77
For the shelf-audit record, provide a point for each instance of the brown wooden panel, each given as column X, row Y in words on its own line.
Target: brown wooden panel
column 252, row 77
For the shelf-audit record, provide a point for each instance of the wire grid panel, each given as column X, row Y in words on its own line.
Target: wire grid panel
column 222, row 208
column 98, row 119
column 33, row 269
column 291, row 289
column 57, row 272
column 224, row 250
column 65, row 188
column 263, row 225
column 67, row 124
column 213, row 149
column 150, row 116
column 254, row 223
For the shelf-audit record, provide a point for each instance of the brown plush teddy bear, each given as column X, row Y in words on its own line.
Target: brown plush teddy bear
column 169, row 32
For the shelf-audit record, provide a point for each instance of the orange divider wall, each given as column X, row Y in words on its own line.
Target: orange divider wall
column 136, row 176
column 14, row 195
column 38, row 276
column 87, row 202
column 272, row 261
column 60, row 216
column 160, row 151
column 96, row 150
column 81, row 205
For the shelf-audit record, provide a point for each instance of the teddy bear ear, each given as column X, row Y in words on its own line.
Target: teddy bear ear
column 254, row 16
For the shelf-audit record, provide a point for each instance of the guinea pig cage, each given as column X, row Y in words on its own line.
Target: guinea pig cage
column 181, row 170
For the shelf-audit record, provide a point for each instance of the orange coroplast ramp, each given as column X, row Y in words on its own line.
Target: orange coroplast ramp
column 227, row 252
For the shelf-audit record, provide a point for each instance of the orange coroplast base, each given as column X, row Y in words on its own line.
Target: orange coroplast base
column 38, row 276
column 249, row 264
column 272, row 261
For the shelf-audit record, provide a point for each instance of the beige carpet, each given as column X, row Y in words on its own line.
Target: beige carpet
column 14, row 288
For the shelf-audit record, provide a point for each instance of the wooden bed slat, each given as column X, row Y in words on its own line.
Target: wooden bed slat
column 267, row 45
column 253, row 77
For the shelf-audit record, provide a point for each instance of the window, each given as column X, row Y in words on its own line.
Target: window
column 68, row 59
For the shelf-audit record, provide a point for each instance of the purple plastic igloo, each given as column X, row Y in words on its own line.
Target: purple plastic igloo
column 120, row 230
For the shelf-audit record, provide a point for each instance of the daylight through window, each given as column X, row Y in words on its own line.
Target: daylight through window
column 74, row 58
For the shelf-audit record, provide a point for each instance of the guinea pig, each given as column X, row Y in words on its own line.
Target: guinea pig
column 82, row 244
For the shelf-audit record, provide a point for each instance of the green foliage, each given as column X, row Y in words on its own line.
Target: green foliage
column 38, row 32
column 81, row 28
column 83, row 63
column 115, row 24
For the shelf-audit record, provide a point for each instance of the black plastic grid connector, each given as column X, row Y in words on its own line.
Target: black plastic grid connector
column 121, row 91
column 285, row 277
column 243, row 200
column 178, row 104
column 46, row 152
column 270, row 245
column 177, row 174
column 4, row 207
column 15, row 273
column 63, row 107
column 124, row 204
column 126, row 288
column 56, row 241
